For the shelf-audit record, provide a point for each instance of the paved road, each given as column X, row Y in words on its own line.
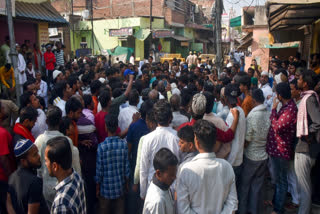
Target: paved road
column 268, row 194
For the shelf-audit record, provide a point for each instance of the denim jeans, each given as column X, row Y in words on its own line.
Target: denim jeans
column 280, row 168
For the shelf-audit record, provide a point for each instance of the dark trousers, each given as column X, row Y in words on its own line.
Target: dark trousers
column 238, row 171
column 111, row 206
column 280, row 167
column 252, row 179
column 3, row 197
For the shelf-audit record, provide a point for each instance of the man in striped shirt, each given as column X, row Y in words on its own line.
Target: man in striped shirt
column 59, row 54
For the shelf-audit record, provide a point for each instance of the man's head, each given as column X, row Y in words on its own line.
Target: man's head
column 57, row 76
column 153, row 95
column 165, row 164
column 283, row 91
column 111, row 122
column 63, row 90
column 198, row 106
column 295, row 91
column 306, row 80
column 183, row 81
column 95, row 87
column 105, row 98
column 28, row 117
column 186, row 142
column 74, row 83
column 27, row 154
column 264, row 79
column 48, row 47
column 204, row 136
column 251, row 72
column 210, row 101
column 58, row 156
column 150, row 59
column 231, row 94
column 73, row 108
column 8, row 67
column 88, row 102
column 54, row 115
column 162, row 112
column 133, row 97
column 29, row 99
column 30, row 86
column 257, row 97
column 245, row 83
column 175, row 102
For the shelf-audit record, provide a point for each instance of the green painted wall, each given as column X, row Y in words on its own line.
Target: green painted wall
column 101, row 30
column 139, row 50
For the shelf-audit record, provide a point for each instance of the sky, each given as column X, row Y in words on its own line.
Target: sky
column 238, row 4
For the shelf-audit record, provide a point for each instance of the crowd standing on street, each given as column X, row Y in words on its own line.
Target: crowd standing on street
column 90, row 136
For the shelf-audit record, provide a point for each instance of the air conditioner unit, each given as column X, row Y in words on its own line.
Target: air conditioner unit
column 85, row 14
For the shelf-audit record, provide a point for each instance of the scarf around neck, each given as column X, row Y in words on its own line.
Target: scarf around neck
column 19, row 129
column 302, row 120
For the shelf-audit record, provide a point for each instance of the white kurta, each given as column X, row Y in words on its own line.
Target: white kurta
column 206, row 185
column 162, row 137
column 125, row 116
column 158, row 201
column 235, row 157
column 22, row 68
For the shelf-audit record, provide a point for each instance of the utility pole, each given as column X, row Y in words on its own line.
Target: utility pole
column 13, row 53
column 219, row 55
column 150, row 27
column 92, row 35
column 73, row 40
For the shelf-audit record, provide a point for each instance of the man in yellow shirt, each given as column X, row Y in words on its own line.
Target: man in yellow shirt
column 7, row 80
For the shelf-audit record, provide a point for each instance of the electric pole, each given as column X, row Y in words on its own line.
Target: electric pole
column 218, row 40
column 13, row 53
column 150, row 28
column 92, row 34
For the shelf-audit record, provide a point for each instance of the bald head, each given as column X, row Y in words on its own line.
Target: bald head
column 154, row 95
column 175, row 102
column 161, row 87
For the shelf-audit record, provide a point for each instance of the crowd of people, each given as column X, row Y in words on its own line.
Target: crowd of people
column 91, row 137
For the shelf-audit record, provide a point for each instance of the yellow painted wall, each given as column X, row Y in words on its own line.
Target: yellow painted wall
column 139, row 50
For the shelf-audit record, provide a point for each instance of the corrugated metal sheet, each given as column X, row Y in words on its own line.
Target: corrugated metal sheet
column 39, row 12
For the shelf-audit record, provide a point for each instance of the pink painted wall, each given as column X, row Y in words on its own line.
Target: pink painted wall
column 260, row 37
column 23, row 31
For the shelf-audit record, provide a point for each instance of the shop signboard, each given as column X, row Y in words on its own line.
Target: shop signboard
column 43, row 33
column 162, row 34
column 122, row 32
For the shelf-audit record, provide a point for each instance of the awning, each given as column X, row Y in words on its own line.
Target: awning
column 44, row 12
column 246, row 44
column 292, row 14
column 284, row 45
column 235, row 22
column 197, row 27
column 142, row 34
column 181, row 38
column 203, row 40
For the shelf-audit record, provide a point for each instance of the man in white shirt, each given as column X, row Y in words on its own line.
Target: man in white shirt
column 125, row 115
column 53, row 120
column 266, row 89
column 206, row 184
column 235, row 158
column 162, row 137
column 64, row 92
column 160, row 198
column 255, row 156
column 178, row 118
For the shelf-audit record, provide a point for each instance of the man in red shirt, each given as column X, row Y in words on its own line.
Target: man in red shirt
column 50, row 61
column 7, row 162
